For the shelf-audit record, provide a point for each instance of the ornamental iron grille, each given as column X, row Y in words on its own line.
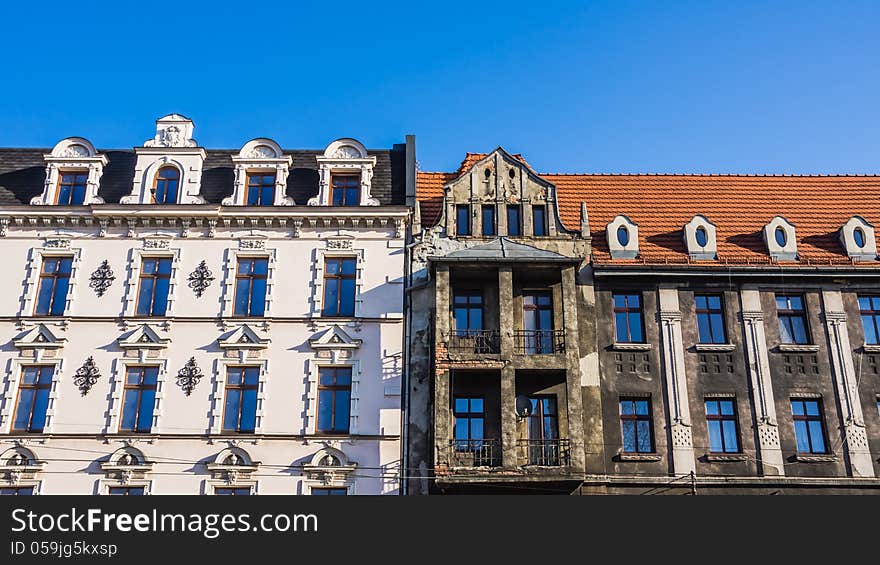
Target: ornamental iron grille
column 189, row 376
column 102, row 278
column 200, row 279
column 86, row 376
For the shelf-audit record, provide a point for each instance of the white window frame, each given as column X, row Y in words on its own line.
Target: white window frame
column 136, row 258
column 13, row 379
column 117, row 380
column 230, row 269
column 310, row 425
column 218, row 394
column 36, row 256
column 321, row 256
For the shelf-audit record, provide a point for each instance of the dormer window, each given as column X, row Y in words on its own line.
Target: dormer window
column 622, row 235
column 857, row 238
column 261, row 170
column 73, row 173
column 699, row 238
column 72, row 188
column 346, row 175
column 260, row 189
column 346, row 190
column 779, row 237
column 165, row 186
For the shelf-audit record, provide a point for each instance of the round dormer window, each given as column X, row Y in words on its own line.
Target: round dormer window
column 781, row 236
column 623, row 236
column 701, row 236
column 859, row 237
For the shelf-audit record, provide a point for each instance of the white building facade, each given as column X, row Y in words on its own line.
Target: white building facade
column 179, row 320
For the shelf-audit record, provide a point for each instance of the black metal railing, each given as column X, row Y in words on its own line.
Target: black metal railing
column 474, row 453
column 539, row 342
column 475, row 341
column 544, row 452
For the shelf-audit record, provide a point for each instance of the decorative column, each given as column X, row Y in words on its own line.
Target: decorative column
column 508, row 374
column 442, row 374
column 770, row 452
column 676, row 382
column 840, row 352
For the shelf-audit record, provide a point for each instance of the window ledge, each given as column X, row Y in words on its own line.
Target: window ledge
column 811, row 458
column 709, row 347
column 619, row 346
column 726, row 457
column 798, row 348
column 639, row 457
column 871, row 348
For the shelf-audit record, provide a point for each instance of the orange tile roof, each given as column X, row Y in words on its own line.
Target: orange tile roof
column 738, row 205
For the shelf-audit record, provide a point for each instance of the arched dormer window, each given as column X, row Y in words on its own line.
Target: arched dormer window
column 166, row 185
column 699, row 238
column 73, row 172
column 780, row 239
column 622, row 235
column 346, row 175
column 261, row 170
column 857, row 238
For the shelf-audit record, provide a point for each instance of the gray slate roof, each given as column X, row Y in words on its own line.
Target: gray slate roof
column 23, row 173
column 504, row 250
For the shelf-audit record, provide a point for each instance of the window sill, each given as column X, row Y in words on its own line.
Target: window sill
column 797, row 348
column 815, row 458
column 726, row 457
column 620, row 346
column 714, row 347
column 871, row 348
column 636, row 457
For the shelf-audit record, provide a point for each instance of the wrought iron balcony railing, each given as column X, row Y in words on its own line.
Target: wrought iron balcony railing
column 544, row 452
column 539, row 342
column 473, row 453
column 475, row 341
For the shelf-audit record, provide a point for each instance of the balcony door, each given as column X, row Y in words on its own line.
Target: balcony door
column 537, row 322
column 543, row 441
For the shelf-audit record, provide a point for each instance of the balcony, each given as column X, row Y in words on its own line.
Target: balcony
column 539, row 342
column 474, row 453
column 475, row 341
column 544, row 452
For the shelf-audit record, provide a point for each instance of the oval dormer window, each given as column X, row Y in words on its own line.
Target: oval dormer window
column 701, row 236
column 623, row 236
column 859, row 237
column 781, row 236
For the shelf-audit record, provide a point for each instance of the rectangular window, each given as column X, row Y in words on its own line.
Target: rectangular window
column 869, row 308
column 346, row 190
column 139, row 398
column 636, row 425
column 538, row 322
column 721, row 420
column 16, row 491
column 710, row 318
column 792, row 319
column 72, row 188
column 155, row 279
column 462, row 220
column 323, row 491
column 240, row 412
column 809, row 425
column 467, row 308
column 53, row 285
column 126, row 491
column 539, row 220
column 340, row 277
column 33, row 398
column 514, row 220
column 543, row 429
column 628, row 318
column 260, row 189
column 334, row 400
column 232, row 491
column 469, row 413
column 250, row 286
column 489, row 220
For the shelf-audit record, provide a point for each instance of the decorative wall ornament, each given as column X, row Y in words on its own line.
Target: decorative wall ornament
column 102, row 278
column 200, row 279
column 346, row 152
column 156, row 244
column 189, row 376
column 57, row 244
column 86, row 376
column 338, row 244
column 252, row 244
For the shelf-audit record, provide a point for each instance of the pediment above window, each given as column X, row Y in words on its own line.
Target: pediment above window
column 126, row 464
column 699, row 238
column 73, row 174
column 142, row 337
column 343, row 159
column 260, row 167
column 334, row 338
column 243, row 337
column 780, row 239
column 19, row 463
column 232, row 464
column 623, row 238
column 857, row 238
column 329, row 465
column 39, row 337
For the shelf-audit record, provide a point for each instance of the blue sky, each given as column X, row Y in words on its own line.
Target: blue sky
column 714, row 87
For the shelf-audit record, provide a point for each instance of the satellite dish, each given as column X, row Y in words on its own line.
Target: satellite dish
column 523, row 406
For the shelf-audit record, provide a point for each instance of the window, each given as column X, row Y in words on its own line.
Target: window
column 323, row 491
column 538, row 322
column 126, row 491
column 54, row 282
column 165, row 186
column 539, row 220
column 623, row 236
column 240, row 413
column 636, row 426
column 721, row 420
column 808, row 425
column 489, row 220
column 514, row 220
column 72, row 188
column 869, row 308
column 628, row 318
column 250, row 286
column 346, row 190
column 792, row 319
column 859, row 237
column 155, row 279
column 232, row 491
column 334, row 399
column 781, row 237
column 260, row 189
column 139, row 397
column 467, row 307
column 702, row 236
column 462, row 220
column 16, row 491
column 340, row 276
column 469, row 413
column 710, row 318
column 33, row 398
column 543, row 422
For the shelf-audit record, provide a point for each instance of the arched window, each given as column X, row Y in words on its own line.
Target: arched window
column 623, row 236
column 859, row 237
column 781, row 237
column 701, row 236
column 165, row 186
